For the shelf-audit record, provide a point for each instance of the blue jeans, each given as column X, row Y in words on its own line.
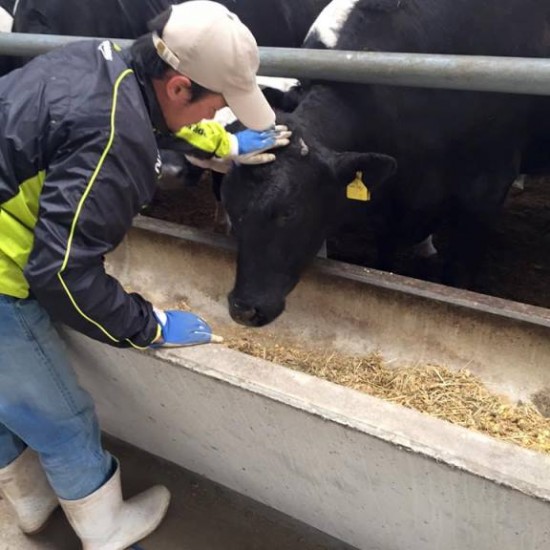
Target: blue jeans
column 42, row 405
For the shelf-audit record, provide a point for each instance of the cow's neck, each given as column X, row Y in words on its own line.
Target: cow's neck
column 325, row 117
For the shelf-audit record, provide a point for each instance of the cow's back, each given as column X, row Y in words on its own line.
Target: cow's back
column 100, row 18
column 71, row 18
column 464, row 27
column 282, row 23
column 421, row 119
column 277, row 23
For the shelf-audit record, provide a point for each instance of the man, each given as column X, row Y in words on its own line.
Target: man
column 78, row 160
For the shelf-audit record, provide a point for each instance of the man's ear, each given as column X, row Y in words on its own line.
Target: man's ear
column 376, row 168
column 178, row 88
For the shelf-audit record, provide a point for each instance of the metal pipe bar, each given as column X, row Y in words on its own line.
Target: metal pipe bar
column 29, row 45
column 457, row 72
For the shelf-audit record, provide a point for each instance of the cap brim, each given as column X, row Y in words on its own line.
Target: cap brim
column 251, row 108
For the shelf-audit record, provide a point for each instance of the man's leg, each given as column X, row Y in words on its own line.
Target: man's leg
column 42, row 402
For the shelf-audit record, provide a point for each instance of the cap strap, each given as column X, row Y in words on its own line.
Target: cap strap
column 165, row 53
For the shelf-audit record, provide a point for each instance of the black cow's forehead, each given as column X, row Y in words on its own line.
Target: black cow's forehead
column 264, row 190
column 278, row 185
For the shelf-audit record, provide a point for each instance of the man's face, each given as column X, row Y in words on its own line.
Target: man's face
column 178, row 107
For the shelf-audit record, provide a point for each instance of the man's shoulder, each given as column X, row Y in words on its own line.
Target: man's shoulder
column 99, row 77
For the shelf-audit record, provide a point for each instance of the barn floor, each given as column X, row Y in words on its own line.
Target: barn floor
column 202, row 516
column 517, row 266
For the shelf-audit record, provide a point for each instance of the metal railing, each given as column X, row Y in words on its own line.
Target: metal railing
column 457, row 72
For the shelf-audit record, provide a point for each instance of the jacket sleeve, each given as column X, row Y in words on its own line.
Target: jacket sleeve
column 94, row 186
column 203, row 140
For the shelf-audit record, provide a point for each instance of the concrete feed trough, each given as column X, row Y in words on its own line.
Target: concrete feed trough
column 370, row 473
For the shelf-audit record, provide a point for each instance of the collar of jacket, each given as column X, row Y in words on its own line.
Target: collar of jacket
column 148, row 92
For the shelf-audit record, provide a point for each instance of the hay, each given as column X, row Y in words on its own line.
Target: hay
column 457, row 397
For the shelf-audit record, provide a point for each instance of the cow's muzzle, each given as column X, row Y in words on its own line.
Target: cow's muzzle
column 250, row 315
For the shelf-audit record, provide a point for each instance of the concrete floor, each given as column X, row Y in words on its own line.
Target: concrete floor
column 202, row 516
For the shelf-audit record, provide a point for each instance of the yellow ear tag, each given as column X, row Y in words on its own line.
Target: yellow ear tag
column 357, row 190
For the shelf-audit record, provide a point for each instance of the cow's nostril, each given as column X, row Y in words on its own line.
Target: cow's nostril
column 247, row 314
column 242, row 312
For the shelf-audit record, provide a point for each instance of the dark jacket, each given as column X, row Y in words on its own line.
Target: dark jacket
column 78, row 160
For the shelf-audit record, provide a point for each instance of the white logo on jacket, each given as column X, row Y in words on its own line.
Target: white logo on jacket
column 106, row 50
column 158, row 165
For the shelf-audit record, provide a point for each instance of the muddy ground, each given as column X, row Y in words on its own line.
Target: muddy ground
column 518, row 262
column 517, row 266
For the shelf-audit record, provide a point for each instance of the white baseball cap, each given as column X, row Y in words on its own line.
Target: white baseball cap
column 209, row 44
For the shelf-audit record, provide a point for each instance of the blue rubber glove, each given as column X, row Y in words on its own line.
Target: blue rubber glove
column 250, row 140
column 182, row 328
column 274, row 138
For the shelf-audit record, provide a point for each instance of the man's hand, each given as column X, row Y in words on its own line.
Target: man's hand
column 259, row 142
column 183, row 328
column 249, row 141
column 280, row 138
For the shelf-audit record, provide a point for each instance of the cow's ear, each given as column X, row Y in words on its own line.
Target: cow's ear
column 284, row 101
column 375, row 168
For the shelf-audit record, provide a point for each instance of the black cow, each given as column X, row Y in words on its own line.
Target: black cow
column 457, row 152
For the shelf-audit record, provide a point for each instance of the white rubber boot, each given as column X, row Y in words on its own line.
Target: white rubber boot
column 24, row 485
column 103, row 521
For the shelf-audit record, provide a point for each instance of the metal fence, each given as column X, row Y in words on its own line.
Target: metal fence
column 457, row 72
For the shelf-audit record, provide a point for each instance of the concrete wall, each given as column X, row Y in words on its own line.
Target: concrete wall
column 372, row 474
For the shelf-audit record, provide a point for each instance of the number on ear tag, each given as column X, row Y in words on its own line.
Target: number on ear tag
column 357, row 190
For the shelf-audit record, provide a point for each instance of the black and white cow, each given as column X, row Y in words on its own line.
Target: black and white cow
column 277, row 23
column 457, row 152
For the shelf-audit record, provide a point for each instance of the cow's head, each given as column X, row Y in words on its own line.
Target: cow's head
column 281, row 214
